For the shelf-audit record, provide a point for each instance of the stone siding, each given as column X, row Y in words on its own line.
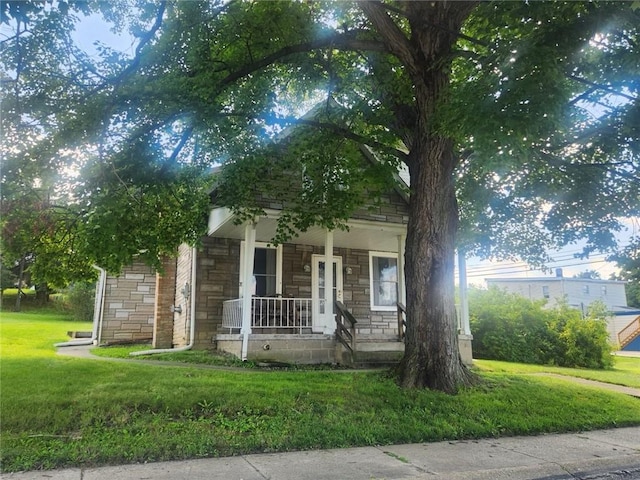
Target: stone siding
column 182, row 294
column 356, row 291
column 165, row 299
column 219, row 273
column 129, row 305
column 217, row 280
column 392, row 208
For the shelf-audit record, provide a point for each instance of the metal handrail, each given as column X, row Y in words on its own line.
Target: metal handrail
column 629, row 333
column 346, row 335
column 402, row 323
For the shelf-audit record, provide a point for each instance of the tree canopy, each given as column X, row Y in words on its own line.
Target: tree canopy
column 519, row 123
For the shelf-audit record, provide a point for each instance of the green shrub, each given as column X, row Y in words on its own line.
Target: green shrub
column 586, row 341
column 509, row 327
column 78, row 299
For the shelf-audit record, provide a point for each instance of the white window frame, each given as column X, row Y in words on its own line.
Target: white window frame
column 381, row 308
column 545, row 291
column 278, row 250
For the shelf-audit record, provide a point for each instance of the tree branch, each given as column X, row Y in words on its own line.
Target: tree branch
column 144, row 40
column 603, row 87
column 397, row 42
column 461, row 35
column 341, row 131
column 340, row 41
column 186, row 135
column 349, row 135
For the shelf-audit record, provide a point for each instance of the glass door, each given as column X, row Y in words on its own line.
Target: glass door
column 323, row 315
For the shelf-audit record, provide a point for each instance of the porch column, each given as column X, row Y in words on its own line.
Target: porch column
column 402, row 290
column 464, row 337
column 249, row 253
column 465, row 328
column 329, row 326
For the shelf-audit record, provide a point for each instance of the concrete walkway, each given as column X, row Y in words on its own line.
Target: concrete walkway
column 634, row 392
column 606, row 454
column 627, row 353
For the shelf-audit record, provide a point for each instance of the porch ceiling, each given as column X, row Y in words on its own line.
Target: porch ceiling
column 364, row 235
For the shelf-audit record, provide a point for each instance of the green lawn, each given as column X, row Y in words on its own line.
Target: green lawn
column 58, row 411
column 626, row 370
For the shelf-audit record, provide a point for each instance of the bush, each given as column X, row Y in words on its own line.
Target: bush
column 78, row 299
column 509, row 327
column 586, row 341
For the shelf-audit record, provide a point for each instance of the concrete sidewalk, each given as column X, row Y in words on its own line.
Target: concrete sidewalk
column 606, row 454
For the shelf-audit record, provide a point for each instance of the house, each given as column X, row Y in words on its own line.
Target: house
column 624, row 323
column 324, row 297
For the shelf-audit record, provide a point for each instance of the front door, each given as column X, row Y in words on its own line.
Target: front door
column 323, row 315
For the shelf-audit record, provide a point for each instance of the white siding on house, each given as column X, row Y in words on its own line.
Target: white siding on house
column 579, row 292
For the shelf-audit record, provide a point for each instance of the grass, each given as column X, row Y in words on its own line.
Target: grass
column 200, row 357
column 626, row 370
column 58, row 411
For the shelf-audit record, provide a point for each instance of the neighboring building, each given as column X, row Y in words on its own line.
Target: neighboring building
column 239, row 294
column 579, row 293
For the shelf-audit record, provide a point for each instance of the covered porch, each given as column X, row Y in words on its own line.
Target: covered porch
column 289, row 286
column 270, row 315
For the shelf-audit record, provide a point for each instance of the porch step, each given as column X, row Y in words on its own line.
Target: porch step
column 364, row 346
column 378, row 352
column 378, row 358
column 376, row 337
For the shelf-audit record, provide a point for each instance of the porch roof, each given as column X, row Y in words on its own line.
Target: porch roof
column 362, row 234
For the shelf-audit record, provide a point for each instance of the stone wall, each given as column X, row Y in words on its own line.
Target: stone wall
column 392, row 208
column 129, row 305
column 356, row 290
column 219, row 273
column 302, row 349
column 182, row 295
column 165, row 299
column 217, row 280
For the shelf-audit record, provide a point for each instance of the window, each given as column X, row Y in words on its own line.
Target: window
column 585, row 289
column 264, row 272
column 383, row 269
column 267, row 271
column 603, row 290
column 545, row 291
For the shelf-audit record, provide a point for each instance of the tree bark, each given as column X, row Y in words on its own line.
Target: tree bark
column 432, row 357
column 18, row 306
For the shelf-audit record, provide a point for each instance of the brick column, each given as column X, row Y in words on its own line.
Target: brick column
column 165, row 298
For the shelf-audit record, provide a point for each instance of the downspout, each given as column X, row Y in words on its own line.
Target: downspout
column 98, row 310
column 192, row 316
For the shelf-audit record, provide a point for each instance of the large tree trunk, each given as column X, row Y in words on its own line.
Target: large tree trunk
column 432, row 357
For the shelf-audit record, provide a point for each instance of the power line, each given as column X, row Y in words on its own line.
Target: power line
column 485, row 268
column 522, row 270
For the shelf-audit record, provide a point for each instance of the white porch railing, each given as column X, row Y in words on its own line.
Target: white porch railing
column 232, row 314
column 270, row 312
